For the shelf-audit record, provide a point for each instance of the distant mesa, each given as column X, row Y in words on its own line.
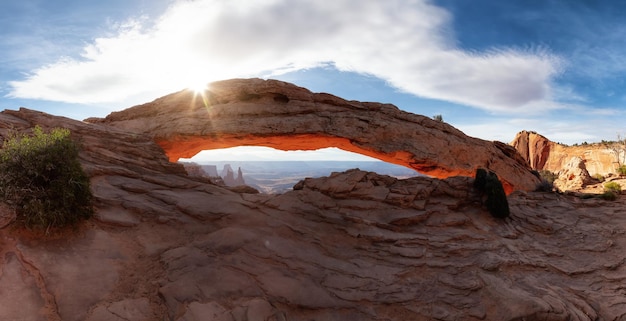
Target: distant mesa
column 210, row 170
column 271, row 113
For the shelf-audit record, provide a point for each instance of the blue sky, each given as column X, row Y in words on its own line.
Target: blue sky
column 491, row 68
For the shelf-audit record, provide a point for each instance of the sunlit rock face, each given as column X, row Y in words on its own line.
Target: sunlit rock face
column 534, row 148
column 256, row 112
column 543, row 154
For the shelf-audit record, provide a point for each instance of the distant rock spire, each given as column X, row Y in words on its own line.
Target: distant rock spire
column 240, row 180
column 229, row 176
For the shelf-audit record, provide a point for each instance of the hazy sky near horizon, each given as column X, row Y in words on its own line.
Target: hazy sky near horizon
column 491, row 68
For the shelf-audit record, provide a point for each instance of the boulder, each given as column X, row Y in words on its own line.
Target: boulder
column 573, row 176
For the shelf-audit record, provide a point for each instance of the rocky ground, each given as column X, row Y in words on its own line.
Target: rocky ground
column 351, row 246
column 597, row 187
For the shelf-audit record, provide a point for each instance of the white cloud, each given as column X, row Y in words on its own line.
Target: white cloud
column 405, row 42
column 557, row 126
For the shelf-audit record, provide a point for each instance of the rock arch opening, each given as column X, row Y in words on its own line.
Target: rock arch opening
column 273, row 171
column 257, row 112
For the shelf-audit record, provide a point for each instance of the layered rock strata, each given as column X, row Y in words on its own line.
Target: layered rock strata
column 255, row 112
column 352, row 246
column 542, row 154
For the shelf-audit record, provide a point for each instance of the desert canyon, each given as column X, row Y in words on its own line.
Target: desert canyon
column 353, row 245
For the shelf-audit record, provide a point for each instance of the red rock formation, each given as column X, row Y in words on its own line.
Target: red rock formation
column 543, row 154
column 352, row 246
column 255, row 112
column 573, row 176
column 533, row 147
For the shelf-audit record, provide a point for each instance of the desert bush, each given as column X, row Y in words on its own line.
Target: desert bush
column 41, row 177
column 548, row 176
column 544, row 186
column 480, row 179
column 599, row 177
column 608, row 196
column 488, row 184
column 547, row 181
column 621, row 170
column 613, row 187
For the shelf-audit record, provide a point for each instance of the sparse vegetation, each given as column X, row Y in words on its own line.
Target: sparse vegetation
column 42, row 179
column 613, row 187
column 611, row 190
column 622, row 170
column 547, row 181
column 608, row 196
column 618, row 149
column 438, row 117
column 488, row 184
column 599, row 177
column 544, row 186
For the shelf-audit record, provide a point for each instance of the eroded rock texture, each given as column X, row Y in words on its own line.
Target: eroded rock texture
column 543, row 154
column 352, row 246
column 573, row 176
column 276, row 114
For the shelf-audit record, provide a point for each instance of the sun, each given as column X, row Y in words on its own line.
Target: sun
column 200, row 92
column 199, row 88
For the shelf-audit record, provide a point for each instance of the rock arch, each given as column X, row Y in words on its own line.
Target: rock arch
column 256, row 112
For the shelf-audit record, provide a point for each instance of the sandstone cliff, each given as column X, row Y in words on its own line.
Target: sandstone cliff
column 281, row 115
column 543, row 154
column 352, row 246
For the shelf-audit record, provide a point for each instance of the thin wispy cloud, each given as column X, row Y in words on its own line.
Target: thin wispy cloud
column 408, row 43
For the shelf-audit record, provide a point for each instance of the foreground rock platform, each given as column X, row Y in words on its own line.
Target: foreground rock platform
column 256, row 112
column 351, row 246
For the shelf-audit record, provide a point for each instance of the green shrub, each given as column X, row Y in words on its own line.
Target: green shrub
column 41, row 177
column 622, row 170
column 599, row 177
column 608, row 196
column 488, row 184
column 547, row 180
column 548, row 176
column 613, row 187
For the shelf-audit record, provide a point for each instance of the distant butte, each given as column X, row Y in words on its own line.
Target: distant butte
column 256, row 112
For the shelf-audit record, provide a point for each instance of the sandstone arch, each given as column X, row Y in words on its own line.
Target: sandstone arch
column 256, row 112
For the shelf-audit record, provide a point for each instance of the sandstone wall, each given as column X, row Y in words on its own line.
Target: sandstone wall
column 543, row 154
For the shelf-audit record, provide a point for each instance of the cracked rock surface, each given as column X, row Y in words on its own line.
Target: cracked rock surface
column 351, row 246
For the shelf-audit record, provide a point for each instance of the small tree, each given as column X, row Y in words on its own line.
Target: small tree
column 438, row 117
column 41, row 177
column 488, row 184
column 618, row 149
